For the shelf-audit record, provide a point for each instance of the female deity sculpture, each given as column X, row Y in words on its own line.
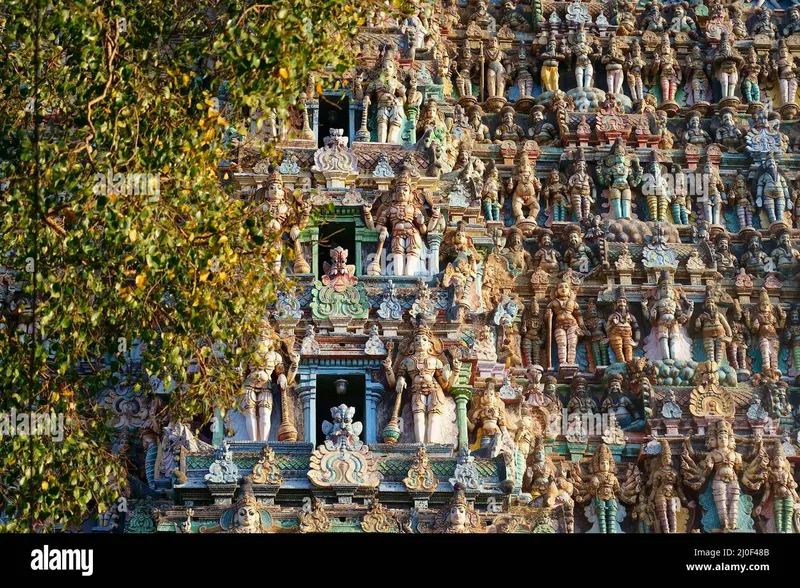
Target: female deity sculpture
column 620, row 172
column 491, row 193
column 666, row 491
column 602, row 487
column 614, row 59
column 681, row 203
column 727, row 62
column 780, row 485
column 256, row 401
column 565, row 323
column 698, row 90
column 722, row 463
column 666, row 65
column 667, row 316
column 525, row 193
column 764, row 321
column 582, row 191
column 495, row 71
column 715, row 331
column 404, row 216
column 751, row 71
column 389, row 93
column 657, row 191
column 247, row 512
column 421, row 369
column 634, row 67
column 555, row 196
column 550, row 58
column 582, row 50
column 623, row 329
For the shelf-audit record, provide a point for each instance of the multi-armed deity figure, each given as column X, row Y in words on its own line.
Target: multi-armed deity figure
column 550, row 58
column 666, row 493
column 421, row 369
column 657, row 191
column 256, row 401
column 389, row 92
column 714, row 329
column 780, row 485
column 772, row 190
column 565, row 322
column 582, row 192
column 764, row 321
column 404, row 215
column 622, row 329
column 285, row 214
column 667, row 315
column 620, row 172
column 722, row 463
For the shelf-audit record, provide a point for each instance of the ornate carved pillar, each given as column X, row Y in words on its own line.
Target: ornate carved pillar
column 462, row 395
column 434, row 243
column 374, row 393
column 307, row 392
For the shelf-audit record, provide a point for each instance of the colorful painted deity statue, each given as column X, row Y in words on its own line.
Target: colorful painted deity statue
column 540, row 129
column 724, row 462
column 555, row 196
column 488, row 418
column 614, row 59
column 491, row 193
column 712, row 204
column 596, row 325
column 714, row 329
column 623, row 329
column 634, row 67
column 667, row 316
column 389, row 93
column 792, row 336
column 463, row 68
column 681, row 201
column 550, row 58
column 581, row 402
column 726, row 261
column 751, row 71
column 740, row 196
column 462, row 274
column 256, row 401
column 603, row 488
column 421, row 369
column 666, row 65
column 755, row 259
column 532, row 343
column 780, row 485
column 525, row 194
column 666, row 493
column 783, row 64
column 695, row 134
column 578, row 256
column 764, row 320
column 740, row 340
column 657, row 190
column 727, row 133
column 785, row 257
column 565, row 322
column 620, row 172
column 582, row 192
column 727, row 63
column 698, row 89
column 495, row 71
column 772, row 193
column 404, row 215
column 623, row 408
column 583, row 52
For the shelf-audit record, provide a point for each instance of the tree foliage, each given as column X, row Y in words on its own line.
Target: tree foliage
column 90, row 89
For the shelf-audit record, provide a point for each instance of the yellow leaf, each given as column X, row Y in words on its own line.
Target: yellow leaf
column 141, row 279
column 45, row 486
column 284, row 73
column 132, row 235
column 204, row 276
